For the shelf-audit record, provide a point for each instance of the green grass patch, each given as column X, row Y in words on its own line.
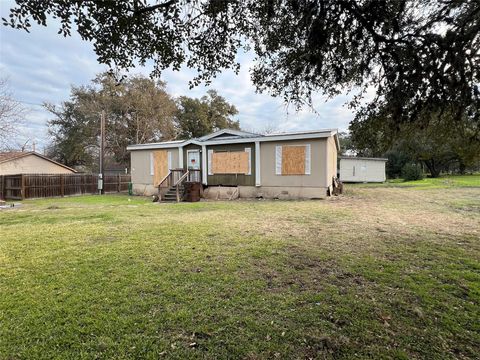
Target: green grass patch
column 442, row 182
column 374, row 274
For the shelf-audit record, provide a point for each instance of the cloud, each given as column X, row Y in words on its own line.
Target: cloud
column 42, row 66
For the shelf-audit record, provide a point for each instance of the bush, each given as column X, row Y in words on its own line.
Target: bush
column 397, row 159
column 412, row 172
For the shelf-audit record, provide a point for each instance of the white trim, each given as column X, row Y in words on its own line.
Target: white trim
column 308, row 159
column 249, row 151
column 194, row 151
column 361, row 158
column 169, row 160
column 278, row 160
column 152, row 171
column 305, row 132
column 203, row 167
column 161, row 145
column 269, row 138
column 278, row 137
column 180, row 157
column 225, row 131
column 193, row 141
column 209, row 163
column 258, row 181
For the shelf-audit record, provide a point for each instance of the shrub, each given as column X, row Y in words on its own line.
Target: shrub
column 412, row 172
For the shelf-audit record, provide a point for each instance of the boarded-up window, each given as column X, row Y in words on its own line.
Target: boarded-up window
column 233, row 162
column 292, row 160
column 160, row 166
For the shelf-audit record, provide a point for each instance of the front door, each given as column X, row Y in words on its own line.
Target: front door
column 193, row 159
column 193, row 163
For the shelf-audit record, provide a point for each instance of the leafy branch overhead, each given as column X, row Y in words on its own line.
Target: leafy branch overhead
column 417, row 55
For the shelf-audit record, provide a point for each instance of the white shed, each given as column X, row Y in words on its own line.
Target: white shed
column 362, row 169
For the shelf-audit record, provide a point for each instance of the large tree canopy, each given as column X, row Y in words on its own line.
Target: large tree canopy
column 437, row 144
column 198, row 117
column 138, row 110
column 417, row 54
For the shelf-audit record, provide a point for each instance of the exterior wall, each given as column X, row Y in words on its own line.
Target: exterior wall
column 233, row 179
column 332, row 159
column 140, row 166
column 318, row 174
column 323, row 167
column 32, row 164
column 365, row 170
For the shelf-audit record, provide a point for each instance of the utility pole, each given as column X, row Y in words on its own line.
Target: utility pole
column 101, row 186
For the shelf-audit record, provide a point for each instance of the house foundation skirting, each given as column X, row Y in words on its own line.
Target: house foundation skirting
column 283, row 192
column 234, row 192
column 145, row 189
column 266, row 192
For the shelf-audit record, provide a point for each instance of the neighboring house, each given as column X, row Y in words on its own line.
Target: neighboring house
column 362, row 169
column 287, row 165
column 29, row 162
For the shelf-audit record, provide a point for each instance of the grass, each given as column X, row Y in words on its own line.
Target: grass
column 443, row 182
column 377, row 273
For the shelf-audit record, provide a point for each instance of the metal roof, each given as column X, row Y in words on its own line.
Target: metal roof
column 239, row 137
column 362, row 158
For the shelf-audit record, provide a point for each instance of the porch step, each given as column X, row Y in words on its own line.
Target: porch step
column 171, row 194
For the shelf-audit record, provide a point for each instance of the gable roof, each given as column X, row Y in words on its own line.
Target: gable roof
column 228, row 132
column 237, row 136
column 10, row 155
column 15, row 155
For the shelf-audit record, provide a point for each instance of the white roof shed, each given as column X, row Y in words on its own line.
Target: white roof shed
column 362, row 169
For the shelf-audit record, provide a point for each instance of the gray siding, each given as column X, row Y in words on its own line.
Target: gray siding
column 317, row 177
column 140, row 165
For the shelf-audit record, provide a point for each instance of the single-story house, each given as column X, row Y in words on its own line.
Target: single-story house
column 362, row 169
column 286, row 165
column 30, row 162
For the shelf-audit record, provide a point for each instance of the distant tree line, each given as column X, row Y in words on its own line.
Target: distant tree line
column 435, row 148
column 138, row 110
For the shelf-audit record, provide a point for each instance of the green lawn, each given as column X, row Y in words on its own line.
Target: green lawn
column 380, row 272
column 446, row 181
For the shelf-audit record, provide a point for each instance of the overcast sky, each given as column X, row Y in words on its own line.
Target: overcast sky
column 41, row 67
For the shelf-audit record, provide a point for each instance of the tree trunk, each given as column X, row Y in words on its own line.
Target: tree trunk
column 434, row 171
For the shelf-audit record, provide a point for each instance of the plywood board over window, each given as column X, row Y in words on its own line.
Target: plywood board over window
column 233, row 162
column 160, row 166
column 293, row 160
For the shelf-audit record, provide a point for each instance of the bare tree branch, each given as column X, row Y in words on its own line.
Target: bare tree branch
column 11, row 116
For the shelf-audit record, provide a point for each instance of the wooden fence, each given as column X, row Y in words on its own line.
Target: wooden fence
column 29, row 186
